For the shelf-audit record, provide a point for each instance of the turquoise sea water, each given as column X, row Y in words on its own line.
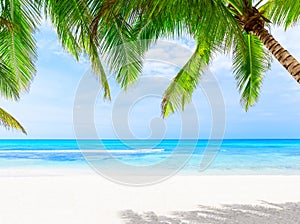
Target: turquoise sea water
column 233, row 156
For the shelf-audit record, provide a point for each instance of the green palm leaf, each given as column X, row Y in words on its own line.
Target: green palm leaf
column 9, row 121
column 122, row 54
column 283, row 12
column 9, row 87
column 249, row 68
column 18, row 22
column 72, row 21
column 99, row 70
column 17, row 46
column 213, row 28
column 186, row 81
column 155, row 19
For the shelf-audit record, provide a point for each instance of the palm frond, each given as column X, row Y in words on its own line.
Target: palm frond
column 69, row 23
column 118, row 27
column 9, row 87
column 17, row 46
column 99, row 70
column 236, row 5
column 72, row 21
column 10, row 122
column 121, row 53
column 180, row 91
column 282, row 12
column 216, row 33
column 249, row 68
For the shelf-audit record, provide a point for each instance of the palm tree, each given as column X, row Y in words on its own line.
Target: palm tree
column 18, row 21
column 236, row 27
column 250, row 59
column 122, row 31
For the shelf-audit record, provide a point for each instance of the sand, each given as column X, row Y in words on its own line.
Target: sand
column 87, row 198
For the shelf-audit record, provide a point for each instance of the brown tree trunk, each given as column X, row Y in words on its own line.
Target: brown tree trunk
column 281, row 54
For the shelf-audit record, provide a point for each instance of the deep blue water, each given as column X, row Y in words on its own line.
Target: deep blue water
column 233, row 156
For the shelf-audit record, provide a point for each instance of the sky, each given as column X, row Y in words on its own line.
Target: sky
column 61, row 102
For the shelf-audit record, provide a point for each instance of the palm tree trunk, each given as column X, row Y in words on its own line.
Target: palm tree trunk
column 281, row 54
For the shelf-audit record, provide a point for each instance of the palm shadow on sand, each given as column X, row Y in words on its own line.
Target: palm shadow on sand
column 267, row 213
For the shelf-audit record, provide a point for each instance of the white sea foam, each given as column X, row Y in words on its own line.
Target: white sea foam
column 119, row 151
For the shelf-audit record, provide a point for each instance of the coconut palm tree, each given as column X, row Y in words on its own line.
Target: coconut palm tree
column 250, row 59
column 235, row 27
column 18, row 21
column 120, row 32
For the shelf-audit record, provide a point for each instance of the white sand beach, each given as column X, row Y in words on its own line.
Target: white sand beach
column 91, row 199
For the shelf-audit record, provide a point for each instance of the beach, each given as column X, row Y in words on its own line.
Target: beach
column 52, row 181
column 73, row 198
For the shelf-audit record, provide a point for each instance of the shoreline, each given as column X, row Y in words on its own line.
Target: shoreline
column 85, row 169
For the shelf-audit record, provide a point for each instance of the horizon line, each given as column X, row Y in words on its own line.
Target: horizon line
column 201, row 139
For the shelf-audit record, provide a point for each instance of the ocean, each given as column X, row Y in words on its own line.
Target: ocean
column 188, row 157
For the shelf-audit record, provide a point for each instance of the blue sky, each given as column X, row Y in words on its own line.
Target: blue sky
column 46, row 111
